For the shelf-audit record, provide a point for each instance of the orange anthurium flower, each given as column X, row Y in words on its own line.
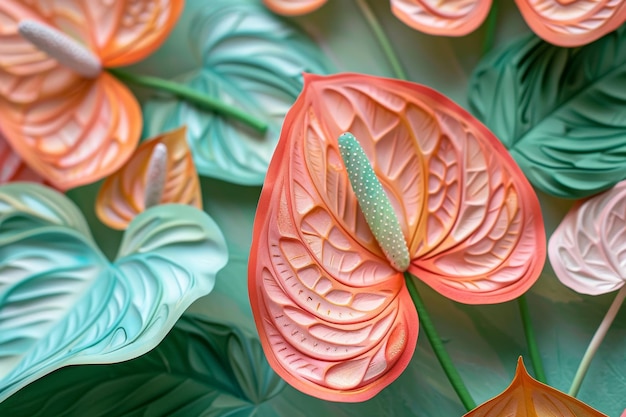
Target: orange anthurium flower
column 161, row 171
column 527, row 397
column 12, row 168
column 69, row 120
column 330, row 303
column 562, row 22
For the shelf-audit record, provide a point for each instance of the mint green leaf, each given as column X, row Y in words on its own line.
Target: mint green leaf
column 248, row 58
column 561, row 112
column 62, row 302
column 203, row 368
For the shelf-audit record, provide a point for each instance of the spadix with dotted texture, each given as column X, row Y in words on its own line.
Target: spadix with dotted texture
column 333, row 313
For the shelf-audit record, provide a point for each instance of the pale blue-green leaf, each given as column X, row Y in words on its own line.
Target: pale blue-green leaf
column 248, row 58
column 62, row 302
column 560, row 112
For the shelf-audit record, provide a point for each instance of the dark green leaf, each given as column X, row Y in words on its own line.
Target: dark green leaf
column 561, row 112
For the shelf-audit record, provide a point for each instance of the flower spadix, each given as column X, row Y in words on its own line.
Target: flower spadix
column 329, row 300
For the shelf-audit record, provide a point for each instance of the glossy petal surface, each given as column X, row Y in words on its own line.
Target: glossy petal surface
column 12, row 168
column 293, row 7
column 588, row 249
column 27, row 74
column 231, row 37
column 62, row 302
column 528, row 397
column 448, row 18
column 123, row 194
column 123, row 32
column 559, row 111
column 335, row 318
column 77, row 138
column 572, row 22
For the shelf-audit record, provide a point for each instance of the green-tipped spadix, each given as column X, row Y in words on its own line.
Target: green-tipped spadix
column 374, row 203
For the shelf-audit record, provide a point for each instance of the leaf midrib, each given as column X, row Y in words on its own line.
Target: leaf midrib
column 559, row 106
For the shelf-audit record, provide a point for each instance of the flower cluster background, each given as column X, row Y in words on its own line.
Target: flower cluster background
column 211, row 362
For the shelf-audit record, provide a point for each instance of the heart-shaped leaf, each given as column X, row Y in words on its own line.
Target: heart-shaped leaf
column 205, row 368
column 530, row 398
column 587, row 249
column 248, row 58
column 62, row 302
column 201, row 368
column 560, row 112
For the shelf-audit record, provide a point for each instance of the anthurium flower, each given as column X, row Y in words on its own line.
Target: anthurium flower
column 586, row 248
column 330, row 303
column 527, row 397
column 563, row 23
column 160, row 171
column 12, row 168
column 69, row 120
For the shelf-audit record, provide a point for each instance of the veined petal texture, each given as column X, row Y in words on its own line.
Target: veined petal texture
column 334, row 316
column 572, row 22
column 62, row 302
column 588, row 249
column 448, row 18
column 123, row 194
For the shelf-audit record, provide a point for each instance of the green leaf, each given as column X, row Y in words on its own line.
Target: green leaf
column 561, row 112
column 62, row 302
column 248, row 58
column 202, row 368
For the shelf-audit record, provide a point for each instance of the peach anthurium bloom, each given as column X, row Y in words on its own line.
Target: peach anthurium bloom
column 527, row 397
column 161, row 171
column 69, row 120
column 12, row 168
column 561, row 22
column 331, row 306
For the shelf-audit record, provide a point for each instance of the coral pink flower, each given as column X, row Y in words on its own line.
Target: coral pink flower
column 333, row 312
column 561, row 22
column 69, row 120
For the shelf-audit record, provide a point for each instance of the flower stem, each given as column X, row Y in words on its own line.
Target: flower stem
column 490, row 33
column 201, row 100
column 533, row 349
column 597, row 339
column 438, row 348
column 371, row 19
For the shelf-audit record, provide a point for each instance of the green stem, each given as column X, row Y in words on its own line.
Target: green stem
column 533, row 349
column 438, row 348
column 201, row 100
column 490, row 33
column 382, row 39
column 597, row 339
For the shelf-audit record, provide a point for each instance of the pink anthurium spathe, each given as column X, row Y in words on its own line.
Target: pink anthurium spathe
column 333, row 312
column 587, row 249
column 561, row 22
column 68, row 119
